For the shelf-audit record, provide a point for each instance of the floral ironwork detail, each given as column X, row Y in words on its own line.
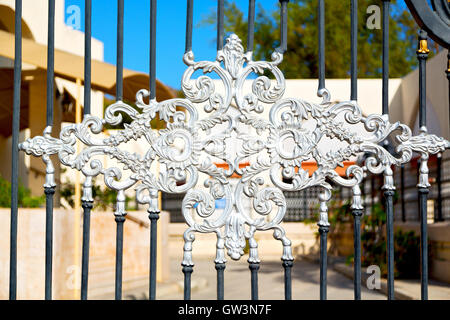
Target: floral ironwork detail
column 275, row 143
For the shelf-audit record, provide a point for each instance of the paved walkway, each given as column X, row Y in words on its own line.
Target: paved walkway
column 305, row 282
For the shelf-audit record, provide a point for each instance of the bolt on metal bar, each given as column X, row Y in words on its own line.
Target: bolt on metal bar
column 251, row 26
column 119, row 64
column 354, row 49
column 49, row 189
column 152, row 49
column 423, row 185
column 220, row 267
column 15, row 150
column 283, row 26
column 187, row 270
column 287, row 265
column 254, row 267
column 220, row 24
column 321, row 17
column 189, row 24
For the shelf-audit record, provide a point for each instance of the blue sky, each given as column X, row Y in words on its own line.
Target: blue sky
column 171, row 24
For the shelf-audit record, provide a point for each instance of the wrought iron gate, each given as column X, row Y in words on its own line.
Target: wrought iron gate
column 261, row 142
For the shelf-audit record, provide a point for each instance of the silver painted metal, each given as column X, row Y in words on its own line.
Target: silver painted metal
column 206, row 141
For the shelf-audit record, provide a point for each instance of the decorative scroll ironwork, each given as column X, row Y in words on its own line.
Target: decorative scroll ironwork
column 275, row 147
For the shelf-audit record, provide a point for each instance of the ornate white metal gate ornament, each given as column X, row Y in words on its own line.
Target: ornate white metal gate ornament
column 206, row 140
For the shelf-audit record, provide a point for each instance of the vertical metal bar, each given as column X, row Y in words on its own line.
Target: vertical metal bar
column 423, row 185
column 251, row 25
column 87, row 57
column 287, row 265
column 324, row 227
column 15, row 150
column 354, row 50
column 49, row 186
column 50, row 60
column 321, row 15
column 220, row 267
column 152, row 49
column 386, row 5
column 119, row 65
column 402, row 192
column 120, row 206
column 120, row 219
column 448, row 75
column 87, row 207
column 439, row 191
column 254, row 267
column 220, row 24
column 389, row 191
column 86, row 201
column 189, row 24
column 357, row 211
column 283, row 25
column 153, row 215
column 187, row 270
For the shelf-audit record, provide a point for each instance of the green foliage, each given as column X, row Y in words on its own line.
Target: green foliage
column 301, row 59
column 104, row 198
column 26, row 200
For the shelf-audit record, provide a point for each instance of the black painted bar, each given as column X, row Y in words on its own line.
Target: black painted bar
column 49, row 190
column 422, row 56
column 402, row 192
column 354, row 49
column 439, row 217
column 220, row 267
column 189, row 24
column 87, row 57
column 251, row 25
column 323, row 231
column 120, row 219
column 254, row 267
column 220, row 24
column 321, row 15
column 187, row 270
column 448, row 76
column 15, row 150
column 386, row 5
column 287, row 265
column 153, row 216
column 50, row 60
column 87, row 207
column 357, row 214
column 119, row 65
column 388, row 196
column 152, row 49
column 423, row 197
column 283, row 25
column 119, row 256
